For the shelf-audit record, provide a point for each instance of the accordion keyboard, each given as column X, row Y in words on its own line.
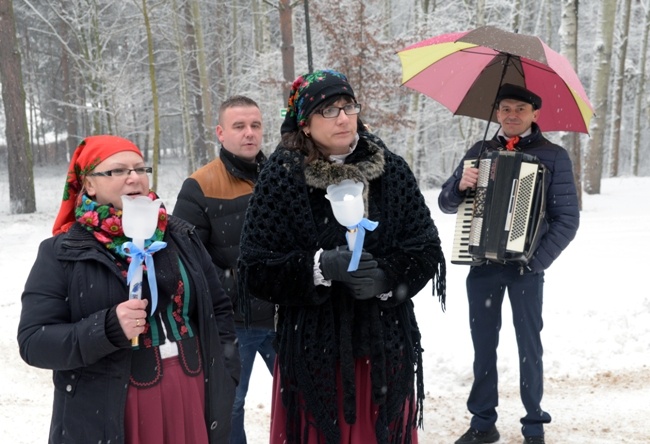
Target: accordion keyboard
column 460, row 249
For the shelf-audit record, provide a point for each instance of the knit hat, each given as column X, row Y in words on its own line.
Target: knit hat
column 91, row 151
column 308, row 92
column 510, row 91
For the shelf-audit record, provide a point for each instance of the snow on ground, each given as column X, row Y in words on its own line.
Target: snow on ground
column 596, row 333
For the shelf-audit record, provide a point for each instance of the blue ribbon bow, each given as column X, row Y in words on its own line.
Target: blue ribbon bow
column 361, row 228
column 137, row 257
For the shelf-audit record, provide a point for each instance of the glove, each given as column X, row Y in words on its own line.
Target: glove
column 368, row 283
column 334, row 263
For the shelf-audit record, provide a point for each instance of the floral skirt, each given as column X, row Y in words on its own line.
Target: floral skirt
column 362, row 431
column 170, row 412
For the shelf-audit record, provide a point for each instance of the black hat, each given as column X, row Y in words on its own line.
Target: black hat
column 510, row 91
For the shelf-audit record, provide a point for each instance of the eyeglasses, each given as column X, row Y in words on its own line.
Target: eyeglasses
column 332, row 112
column 119, row 172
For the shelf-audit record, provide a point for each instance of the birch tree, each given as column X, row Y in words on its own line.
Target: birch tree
column 569, row 45
column 617, row 107
column 599, row 93
column 641, row 100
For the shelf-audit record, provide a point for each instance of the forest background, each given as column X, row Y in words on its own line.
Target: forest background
column 155, row 71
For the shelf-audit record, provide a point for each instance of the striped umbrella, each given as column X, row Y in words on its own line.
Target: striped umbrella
column 464, row 70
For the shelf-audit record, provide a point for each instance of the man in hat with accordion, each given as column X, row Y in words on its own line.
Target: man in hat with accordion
column 517, row 110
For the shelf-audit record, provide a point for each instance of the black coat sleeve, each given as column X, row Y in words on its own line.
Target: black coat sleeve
column 222, row 310
column 48, row 337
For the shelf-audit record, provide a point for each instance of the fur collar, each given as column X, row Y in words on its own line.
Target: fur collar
column 370, row 165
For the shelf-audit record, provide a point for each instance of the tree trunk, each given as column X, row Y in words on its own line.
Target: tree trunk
column 569, row 43
column 639, row 108
column 208, row 122
column 22, row 198
column 619, row 84
column 69, row 113
column 599, row 88
column 154, row 96
column 184, row 101
column 287, row 50
column 200, row 148
column 516, row 16
column 480, row 13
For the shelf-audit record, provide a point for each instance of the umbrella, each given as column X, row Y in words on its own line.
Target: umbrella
column 464, row 70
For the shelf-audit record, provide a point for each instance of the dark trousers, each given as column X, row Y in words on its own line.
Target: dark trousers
column 251, row 342
column 486, row 286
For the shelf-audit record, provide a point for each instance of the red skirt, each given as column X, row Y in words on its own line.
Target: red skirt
column 170, row 412
column 362, row 431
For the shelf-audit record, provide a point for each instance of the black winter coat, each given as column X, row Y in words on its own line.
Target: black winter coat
column 214, row 199
column 562, row 216
column 71, row 287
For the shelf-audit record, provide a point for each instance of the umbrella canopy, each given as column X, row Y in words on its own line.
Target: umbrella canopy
column 464, row 70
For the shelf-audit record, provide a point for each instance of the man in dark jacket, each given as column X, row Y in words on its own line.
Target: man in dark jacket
column 517, row 111
column 214, row 198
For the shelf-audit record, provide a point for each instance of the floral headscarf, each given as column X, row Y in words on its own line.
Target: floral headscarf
column 308, row 92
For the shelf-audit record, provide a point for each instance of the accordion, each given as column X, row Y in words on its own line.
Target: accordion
column 500, row 220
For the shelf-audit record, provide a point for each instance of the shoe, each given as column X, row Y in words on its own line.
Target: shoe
column 534, row 440
column 474, row 436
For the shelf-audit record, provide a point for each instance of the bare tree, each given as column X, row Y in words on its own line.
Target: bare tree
column 623, row 37
column 183, row 86
column 516, row 15
column 22, row 198
column 480, row 13
column 70, row 114
column 639, row 107
column 200, row 147
column 599, row 91
column 569, row 41
column 154, row 94
column 86, row 69
column 286, row 29
column 204, row 81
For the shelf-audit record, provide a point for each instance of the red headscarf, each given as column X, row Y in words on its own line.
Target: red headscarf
column 91, row 151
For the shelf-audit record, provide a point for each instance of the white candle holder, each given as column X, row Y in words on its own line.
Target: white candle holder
column 139, row 222
column 348, row 206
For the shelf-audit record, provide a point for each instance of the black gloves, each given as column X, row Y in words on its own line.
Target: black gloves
column 334, row 264
column 366, row 282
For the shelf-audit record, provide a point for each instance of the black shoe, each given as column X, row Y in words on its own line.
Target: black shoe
column 474, row 436
column 534, row 440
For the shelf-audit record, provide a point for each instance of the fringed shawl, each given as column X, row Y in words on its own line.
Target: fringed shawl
column 321, row 328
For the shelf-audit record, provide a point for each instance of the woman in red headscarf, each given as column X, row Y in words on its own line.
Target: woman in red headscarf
column 177, row 385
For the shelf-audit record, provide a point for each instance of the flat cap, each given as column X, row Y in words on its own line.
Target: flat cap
column 516, row 92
